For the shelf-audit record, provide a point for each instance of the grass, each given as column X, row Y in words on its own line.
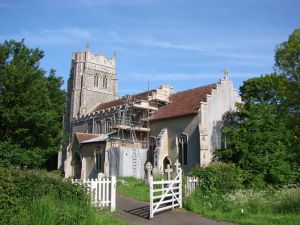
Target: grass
column 34, row 197
column 50, row 210
column 249, row 207
column 245, row 207
column 133, row 188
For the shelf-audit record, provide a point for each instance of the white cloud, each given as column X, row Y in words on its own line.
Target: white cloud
column 204, row 49
column 182, row 76
column 63, row 36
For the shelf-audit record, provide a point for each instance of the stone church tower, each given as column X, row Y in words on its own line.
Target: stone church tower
column 92, row 81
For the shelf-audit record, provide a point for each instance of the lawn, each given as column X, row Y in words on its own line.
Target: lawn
column 133, row 188
column 245, row 207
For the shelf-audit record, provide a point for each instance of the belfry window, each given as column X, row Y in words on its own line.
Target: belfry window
column 182, row 148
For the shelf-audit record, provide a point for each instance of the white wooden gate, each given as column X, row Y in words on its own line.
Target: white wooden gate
column 102, row 191
column 165, row 194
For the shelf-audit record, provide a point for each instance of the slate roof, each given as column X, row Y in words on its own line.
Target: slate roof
column 81, row 137
column 184, row 103
column 122, row 101
column 103, row 137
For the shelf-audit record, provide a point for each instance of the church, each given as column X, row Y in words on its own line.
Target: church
column 112, row 135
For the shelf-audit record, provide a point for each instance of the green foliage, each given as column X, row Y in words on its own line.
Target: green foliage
column 50, row 210
column 268, row 89
column 31, row 105
column 258, row 138
column 287, row 57
column 19, row 188
column 251, row 207
column 31, row 197
column 13, row 154
column 219, row 177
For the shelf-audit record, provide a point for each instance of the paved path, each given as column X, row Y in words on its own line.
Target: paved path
column 138, row 212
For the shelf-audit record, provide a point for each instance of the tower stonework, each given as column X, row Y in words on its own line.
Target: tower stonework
column 93, row 80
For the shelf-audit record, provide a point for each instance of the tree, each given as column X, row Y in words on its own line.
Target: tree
column 269, row 89
column 287, row 63
column 31, row 106
column 263, row 136
column 257, row 136
column 287, row 57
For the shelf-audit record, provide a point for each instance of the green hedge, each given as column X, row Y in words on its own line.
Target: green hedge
column 20, row 188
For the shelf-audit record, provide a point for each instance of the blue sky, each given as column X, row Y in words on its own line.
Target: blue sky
column 184, row 43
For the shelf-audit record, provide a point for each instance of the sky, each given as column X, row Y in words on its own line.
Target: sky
column 183, row 43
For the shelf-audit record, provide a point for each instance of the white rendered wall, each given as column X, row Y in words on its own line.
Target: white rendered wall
column 211, row 113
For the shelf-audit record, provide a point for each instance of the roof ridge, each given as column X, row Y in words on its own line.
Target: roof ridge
column 196, row 88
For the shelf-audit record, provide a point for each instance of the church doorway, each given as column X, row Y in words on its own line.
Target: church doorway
column 166, row 162
column 77, row 166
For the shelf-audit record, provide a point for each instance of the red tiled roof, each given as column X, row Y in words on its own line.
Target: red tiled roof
column 121, row 101
column 81, row 137
column 184, row 103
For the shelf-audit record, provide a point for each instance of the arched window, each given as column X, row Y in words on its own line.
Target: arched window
column 104, row 83
column 182, row 148
column 152, row 146
column 99, row 157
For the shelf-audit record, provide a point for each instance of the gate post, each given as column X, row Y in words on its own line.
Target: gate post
column 180, row 188
column 151, row 196
column 113, row 194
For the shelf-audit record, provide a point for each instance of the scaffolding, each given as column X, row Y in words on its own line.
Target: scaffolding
column 127, row 123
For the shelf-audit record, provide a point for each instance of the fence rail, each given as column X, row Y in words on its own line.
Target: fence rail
column 102, row 191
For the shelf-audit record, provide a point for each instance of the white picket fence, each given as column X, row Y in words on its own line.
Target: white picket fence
column 165, row 194
column 191, row 185
column 102, row 191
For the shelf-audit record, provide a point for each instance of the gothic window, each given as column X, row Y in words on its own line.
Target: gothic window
column 152, row 146
column 182, row 148
column 99, row 153
column 104, row 83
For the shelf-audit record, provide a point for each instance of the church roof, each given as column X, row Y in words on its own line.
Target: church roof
column 184, row 103
column 122, row 101
column 81, row 137
column 103, row 137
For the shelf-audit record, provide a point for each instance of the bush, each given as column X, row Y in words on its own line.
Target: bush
column 19, row 188
column 219, row 178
